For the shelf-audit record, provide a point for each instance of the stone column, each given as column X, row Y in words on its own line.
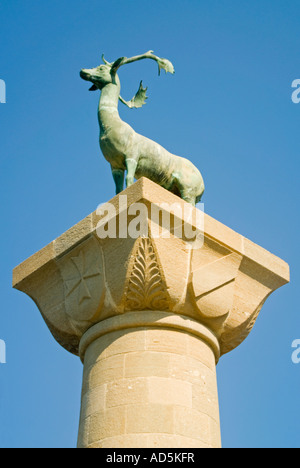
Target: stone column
column 150, row 312
column 149, row 381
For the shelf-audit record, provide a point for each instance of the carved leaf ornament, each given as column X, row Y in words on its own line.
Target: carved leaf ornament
column 146, row 288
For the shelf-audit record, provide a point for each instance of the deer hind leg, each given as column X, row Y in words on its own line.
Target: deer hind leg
column 118, row 176
column 186, row 193
column 188, row 197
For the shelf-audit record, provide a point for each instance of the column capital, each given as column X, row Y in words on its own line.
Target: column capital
column 219, row 279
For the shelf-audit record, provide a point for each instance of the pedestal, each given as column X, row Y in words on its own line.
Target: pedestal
column 150, row 307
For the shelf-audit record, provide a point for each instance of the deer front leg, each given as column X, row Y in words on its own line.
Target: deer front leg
column 118, row 176
column 131, row 164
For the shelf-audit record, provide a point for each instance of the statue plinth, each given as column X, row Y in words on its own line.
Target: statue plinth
column 150, row 316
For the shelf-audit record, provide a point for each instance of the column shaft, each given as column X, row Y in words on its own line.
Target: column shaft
column 149, row 382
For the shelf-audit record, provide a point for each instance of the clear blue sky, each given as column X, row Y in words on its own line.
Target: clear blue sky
column 228, row 108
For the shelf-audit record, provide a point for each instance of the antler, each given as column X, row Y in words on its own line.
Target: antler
column 138, row 100
column 162, row 63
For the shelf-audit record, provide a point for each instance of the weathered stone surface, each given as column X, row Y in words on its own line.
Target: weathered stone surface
column 80, row 279
column 150, row 317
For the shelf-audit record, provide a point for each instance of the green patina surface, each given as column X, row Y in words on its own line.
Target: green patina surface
column 129, row 151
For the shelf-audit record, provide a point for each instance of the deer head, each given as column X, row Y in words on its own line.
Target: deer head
column 102, row 75
column 107, row 74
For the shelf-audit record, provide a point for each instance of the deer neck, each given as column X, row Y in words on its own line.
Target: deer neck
column 108, row 106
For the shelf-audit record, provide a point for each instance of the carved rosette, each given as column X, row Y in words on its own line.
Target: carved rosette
column 82, row 271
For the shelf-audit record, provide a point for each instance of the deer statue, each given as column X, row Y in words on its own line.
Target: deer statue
column 125, row 149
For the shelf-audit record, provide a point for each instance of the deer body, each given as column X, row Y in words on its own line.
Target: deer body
column 129, row 151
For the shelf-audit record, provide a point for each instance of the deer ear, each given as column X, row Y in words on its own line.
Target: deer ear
column 93, row 88
column 117, row 64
